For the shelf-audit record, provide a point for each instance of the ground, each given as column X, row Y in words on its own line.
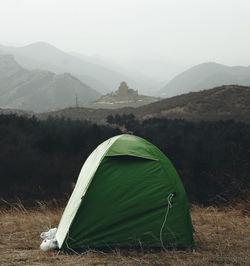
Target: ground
column 222, row 237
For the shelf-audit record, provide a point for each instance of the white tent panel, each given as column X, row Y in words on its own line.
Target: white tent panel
column 85, row 177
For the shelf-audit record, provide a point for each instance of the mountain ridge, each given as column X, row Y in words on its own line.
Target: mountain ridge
column 204, row 76
column 39, row 90
column 48, row 57
column 219, row 103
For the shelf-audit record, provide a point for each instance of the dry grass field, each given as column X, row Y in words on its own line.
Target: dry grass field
column 222, row 238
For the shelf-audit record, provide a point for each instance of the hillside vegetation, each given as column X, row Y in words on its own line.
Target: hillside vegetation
column 221, row 103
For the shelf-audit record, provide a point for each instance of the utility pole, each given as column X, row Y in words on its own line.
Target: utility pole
column 77, row 101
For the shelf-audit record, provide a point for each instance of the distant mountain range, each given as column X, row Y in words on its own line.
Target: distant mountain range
column 221, row 103
column 39, row 90
column 44, row 56
column 205, row 76
column 41, row 77
column 147, row 75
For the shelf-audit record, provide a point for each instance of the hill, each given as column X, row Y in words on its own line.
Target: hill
column 39, row 90
column 123, row 97
column 221, row 103
column 47, row 57
column 205, row 76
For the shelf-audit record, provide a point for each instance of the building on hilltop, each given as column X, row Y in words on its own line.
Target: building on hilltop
column 124, row 96
column 124, row 91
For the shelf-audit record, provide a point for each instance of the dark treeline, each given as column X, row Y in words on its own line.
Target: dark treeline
column 212, row 157
column 40, row 159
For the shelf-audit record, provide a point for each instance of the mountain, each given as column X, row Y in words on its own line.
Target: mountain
column 148, row 76
column 39, row 90
column 47, row 57
column 220, row 103
column 205, row 76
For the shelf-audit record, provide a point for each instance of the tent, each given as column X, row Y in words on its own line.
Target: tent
column 128, row 194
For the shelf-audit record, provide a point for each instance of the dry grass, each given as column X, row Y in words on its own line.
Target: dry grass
column 222, row 238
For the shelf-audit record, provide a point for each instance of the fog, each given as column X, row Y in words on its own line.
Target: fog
column 178, row 32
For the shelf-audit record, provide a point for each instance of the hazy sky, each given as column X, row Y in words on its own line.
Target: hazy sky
column 178, row 31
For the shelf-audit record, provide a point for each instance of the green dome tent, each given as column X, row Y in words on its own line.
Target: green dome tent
column 128, row 194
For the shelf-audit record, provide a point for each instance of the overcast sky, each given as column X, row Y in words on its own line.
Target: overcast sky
column 177, row 31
